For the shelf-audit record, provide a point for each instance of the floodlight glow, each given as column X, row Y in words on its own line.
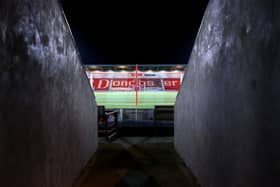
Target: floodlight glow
column 135, row 89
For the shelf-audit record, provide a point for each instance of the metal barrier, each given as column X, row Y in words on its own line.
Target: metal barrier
column 108, row 125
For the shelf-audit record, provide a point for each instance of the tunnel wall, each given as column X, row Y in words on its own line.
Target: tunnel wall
column 227, row 110
column 47, row 108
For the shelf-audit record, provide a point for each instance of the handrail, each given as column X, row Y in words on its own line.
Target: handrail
column 110, row 130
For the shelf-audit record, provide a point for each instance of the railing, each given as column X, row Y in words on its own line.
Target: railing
column 109, row 127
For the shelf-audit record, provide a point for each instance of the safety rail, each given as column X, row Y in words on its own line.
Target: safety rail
column 108, row 127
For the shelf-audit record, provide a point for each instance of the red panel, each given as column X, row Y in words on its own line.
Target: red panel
column 122, row 84
column 101, row 84
column 129, row 84
column 171, row 84
column 152, row 83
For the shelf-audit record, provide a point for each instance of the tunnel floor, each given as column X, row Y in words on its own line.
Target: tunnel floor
column 136, row 162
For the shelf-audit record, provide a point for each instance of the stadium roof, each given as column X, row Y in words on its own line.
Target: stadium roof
column 131, row 67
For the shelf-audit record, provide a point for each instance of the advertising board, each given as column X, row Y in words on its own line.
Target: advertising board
column 126, row 81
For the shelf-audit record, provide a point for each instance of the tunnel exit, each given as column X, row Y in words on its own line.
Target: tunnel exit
column 137, row 92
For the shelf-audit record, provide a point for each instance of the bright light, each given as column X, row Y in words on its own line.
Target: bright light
column 179, row 67
column 93, row 67
column 122, row 67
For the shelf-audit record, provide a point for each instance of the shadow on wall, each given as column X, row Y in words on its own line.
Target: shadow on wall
column 226, row 114
column 47, row 109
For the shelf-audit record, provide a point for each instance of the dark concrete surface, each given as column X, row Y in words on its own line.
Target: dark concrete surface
column 47, row 109
column 136, row 162
column 146, row 128
column 227, row 111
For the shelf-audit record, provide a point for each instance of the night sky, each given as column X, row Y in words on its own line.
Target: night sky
column 136, row 32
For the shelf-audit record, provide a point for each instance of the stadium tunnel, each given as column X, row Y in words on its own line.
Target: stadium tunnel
column 226, row 119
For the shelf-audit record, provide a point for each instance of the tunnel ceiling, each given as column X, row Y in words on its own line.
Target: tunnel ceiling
column 136, row 32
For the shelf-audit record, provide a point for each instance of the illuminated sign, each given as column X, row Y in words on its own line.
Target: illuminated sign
column 125, row 81
column 129, row 84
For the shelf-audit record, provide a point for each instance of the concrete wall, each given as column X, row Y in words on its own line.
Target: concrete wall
column 227, row 121
column 47, row 109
